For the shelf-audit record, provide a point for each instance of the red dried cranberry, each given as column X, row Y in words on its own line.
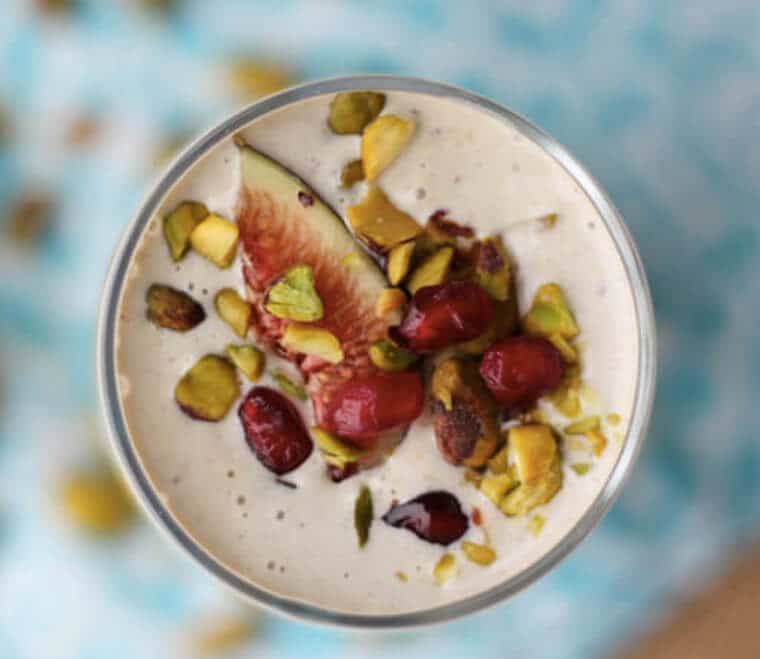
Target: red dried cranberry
column 449, row 227
column 274, row 430
column 338, row 474
column 519, row 369
column 442, row 315
column 305, row 198
column 434, row 516
column 489, row 258
column 361, row 409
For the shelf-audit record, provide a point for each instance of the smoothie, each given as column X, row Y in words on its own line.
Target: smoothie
column 299, row 525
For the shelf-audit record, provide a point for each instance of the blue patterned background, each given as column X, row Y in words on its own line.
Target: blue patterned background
column 660, row 99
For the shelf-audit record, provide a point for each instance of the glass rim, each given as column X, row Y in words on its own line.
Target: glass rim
column 130, row 463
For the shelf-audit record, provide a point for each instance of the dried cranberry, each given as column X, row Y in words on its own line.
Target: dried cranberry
column 338, row 474
column 305, row 198
column 519, row 369
column 449, row 227
column 442, row 315
column 489, row 258
column 274, row 430
column 434, row 516
column 361, row 409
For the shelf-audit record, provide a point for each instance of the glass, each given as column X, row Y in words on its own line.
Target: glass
column 148, row 497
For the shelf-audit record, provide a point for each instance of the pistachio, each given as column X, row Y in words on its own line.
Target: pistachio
column 350, row 112
column 581, row 468
column 249, row 359
column 295, row 297
column 527, row 496
column 216, row 239
column 335, row 451
column 96, row 502
column 598, row 441
column 499, row 463
column 173, row 309
column 445, row 569
column 312, row 341
column 363, row 514
column 352, row 172
column 254, row 78
column 566, row 350
column 478, row 554
column 383, row 141
column 399, row 262
column 401, row 576
column 550, row 314
column 179, row 224
column 583, row 426
column 379, row 223
column 288, row 386
column 494, row 488
column 565, row 398
column 492, row 268
column 431, row 271
column 473, row 476
column 208, row 389
column 234, row 311
column 536, row 524
column 387, row 356
column 534, row 448
column 390, row 300
column 549, row 220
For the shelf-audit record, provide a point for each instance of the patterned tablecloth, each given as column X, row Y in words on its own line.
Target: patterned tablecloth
column 660, row 99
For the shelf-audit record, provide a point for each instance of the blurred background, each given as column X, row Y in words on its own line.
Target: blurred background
column 661, row 100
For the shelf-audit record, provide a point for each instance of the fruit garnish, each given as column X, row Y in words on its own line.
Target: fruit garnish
column 536, row 524
column 568, row 352
column 434, row 516
column 390, row 301
column 216, row 239
column 550, row 314
column 362, row 408
column 443, row 229
column 208, row 390
column 274, row 430
column 465, row 416
column 249, row 359
column 312, row 341
column 234, row 311
column 399, row 262
column 387, row 356
column 518, row 370
column 363, row 514
column 492, row 269
column 179, row 224
column 352, row 172
column 289, row 387
column 445, row 569
column 581, row 468
column 350, row 112
column 432, row 271
column 254, row 78
column 383, row 141
column 597, row 440
column 495, row 487
column 335, row 451
column 96, row 502
column 583, row 426
column 477, row 553
column 173, row 309
column 442, row 315
column 379, row 223
column 295, row 297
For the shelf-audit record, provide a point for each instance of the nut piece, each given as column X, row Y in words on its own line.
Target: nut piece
column 581, row 468
column 479, row 554
column 534, row 449
column 387, row 356
column 550, row 314
column 495, row 487
column 234, row 311
column 352, row 172
column 179, row 224
column 526, row 497
column 289, row 387
column 295, row 297
column 96, row 502
column 568, row 352
column 598, row 442
column 363, row 514
column 536, row 524
column 383, row 140
column 565, row 398
column 389, row 301
column 335, row 451
column 499, row 463
column 313, row 341
column 445, row 569
column 432, row 271
column 492, row 268
column 249, row 359
column 464, row 416
column 350, row 112
column 173, row 309
column 216, row 239
column 399, row 262
column 208, row 390
column 378, row 222
column 583, row 426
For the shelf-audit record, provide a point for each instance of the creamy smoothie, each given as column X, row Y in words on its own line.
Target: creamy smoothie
column 294, row 533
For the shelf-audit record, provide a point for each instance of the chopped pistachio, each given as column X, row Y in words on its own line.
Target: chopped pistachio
column 387, row 356
column 431, row 271
column 445, row 569
column 583, row 426
column 549, row 220
column 390, row 300
column 589, row 397
column 473, row 477
column 216, row 239
column 401, row 576
column 399, row 262
column 350, row 112
column 256, row 78
column 479, row 554
column 288, row 386
column 613, row 419
column 335, row 451
column 536, row 524
column 526, row 496
column 208, row 389
column 534, row 448
column 363, row 514
column 492, row 270
column 495, row 487
column 179, row 224
column 499, row 463
column 566, row 350
column 249, row 359
column 352, row 172
column 383, row 141
column 173, row 309
column 378, row 222
column 598, row 441
column 96, row 502
column 312, row 341
column 581, row 468
column 234, row 310
column 295, row 297
column 550, row 314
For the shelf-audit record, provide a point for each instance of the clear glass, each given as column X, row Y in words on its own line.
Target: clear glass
column 148, row 497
